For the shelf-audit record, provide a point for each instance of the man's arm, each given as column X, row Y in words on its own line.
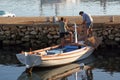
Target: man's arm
column 83, row 22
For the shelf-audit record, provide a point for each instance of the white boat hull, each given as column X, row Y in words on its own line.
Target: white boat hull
column 69, row 59
column 31, row 60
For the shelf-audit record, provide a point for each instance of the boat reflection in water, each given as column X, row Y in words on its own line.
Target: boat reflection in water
column 74, row 71
column 61, row 73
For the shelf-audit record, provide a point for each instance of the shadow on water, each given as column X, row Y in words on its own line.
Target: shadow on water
column 111, row 64
column 8, row 54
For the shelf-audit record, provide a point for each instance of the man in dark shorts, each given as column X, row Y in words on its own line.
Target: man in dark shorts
column 63, row 30
column 62, row 34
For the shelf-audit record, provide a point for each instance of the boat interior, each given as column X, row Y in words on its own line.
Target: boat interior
column 64, row 49
column 58, row 49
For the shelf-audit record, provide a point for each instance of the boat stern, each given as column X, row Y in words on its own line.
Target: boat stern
column 30, row 60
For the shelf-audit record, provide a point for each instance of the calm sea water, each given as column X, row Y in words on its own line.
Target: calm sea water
column 60, row 7
column 100, row 70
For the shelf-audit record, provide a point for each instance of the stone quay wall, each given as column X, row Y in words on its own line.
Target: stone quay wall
column 29, row 35
column 37, row 36
column 109, row 33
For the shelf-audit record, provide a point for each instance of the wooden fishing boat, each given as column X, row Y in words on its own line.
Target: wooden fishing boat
column 55, row 55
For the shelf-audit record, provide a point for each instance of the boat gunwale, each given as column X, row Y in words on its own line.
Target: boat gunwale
column 66, row 55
